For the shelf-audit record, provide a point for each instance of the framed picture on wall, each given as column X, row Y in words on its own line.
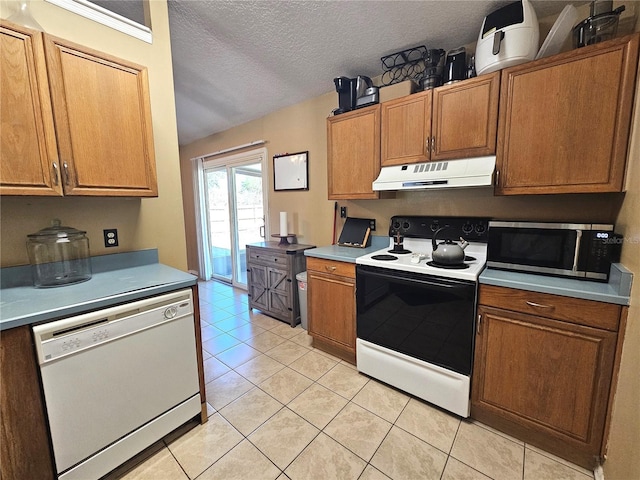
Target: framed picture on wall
column 291, row 171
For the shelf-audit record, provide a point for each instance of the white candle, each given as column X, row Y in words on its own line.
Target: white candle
column 283, row 224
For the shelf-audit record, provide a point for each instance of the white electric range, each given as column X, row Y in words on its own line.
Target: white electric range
column 415, row 318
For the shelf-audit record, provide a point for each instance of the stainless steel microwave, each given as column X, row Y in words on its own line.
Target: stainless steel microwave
column 582, row 251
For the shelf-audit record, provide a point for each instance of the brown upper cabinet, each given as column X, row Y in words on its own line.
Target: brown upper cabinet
column 29, row 162
column 353, row 153
column 565, row 120
column 75, row 121
column 454, row 121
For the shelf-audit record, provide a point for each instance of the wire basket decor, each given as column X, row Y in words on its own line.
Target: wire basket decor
column 407, row 64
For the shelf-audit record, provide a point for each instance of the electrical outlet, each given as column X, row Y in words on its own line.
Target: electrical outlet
column 343, row 212
column 110, row 237
column 372, row 224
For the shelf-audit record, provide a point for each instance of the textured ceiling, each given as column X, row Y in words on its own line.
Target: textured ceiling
column 235, row 61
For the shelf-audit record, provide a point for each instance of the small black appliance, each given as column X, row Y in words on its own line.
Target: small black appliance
column 346, row 88
column 355, row 93
column 455, row 67
column 434, row 67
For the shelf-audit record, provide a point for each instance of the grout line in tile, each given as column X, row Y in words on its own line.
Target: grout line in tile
column 174, row 457
column 303, row 449
column 524, row 459
column 496, row 431
column 454, row 438
column 554, row 458
column 422, row 440
column 348, row 399
column 468, row 466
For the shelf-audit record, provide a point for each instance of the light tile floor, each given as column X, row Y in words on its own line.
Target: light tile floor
column 280, row 409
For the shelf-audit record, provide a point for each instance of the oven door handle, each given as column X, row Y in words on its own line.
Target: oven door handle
column 399, row 278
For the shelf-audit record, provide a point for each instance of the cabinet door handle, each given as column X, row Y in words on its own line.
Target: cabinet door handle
column 539, row 305
column 478, row 324
column 55, row 174
column 330, row 268
column 427, row 144
column 433, row 144
column 497, row 178
column 65, row 169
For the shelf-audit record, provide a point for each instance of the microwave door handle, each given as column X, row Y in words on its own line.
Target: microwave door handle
column 576, row 254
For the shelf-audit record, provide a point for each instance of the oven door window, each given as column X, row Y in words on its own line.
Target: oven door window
column 428, row 318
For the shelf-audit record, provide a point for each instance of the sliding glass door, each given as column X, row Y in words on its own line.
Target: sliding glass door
column 219, row 223
column 234, row 209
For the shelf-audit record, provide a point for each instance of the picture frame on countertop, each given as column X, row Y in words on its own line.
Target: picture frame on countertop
column 291, row 171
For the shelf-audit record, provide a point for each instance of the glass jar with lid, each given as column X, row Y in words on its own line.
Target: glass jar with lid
column 59, row 256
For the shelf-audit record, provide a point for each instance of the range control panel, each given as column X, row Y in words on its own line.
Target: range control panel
column 474, row 229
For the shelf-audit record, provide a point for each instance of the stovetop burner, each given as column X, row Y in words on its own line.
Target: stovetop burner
column 411, row 243
column 385, row 258
column 458, row 266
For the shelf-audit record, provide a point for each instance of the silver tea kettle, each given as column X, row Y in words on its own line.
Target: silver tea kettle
column 447, row 252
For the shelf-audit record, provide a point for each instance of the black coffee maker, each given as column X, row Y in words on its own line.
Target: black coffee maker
column 346, row 88
column 354, row 93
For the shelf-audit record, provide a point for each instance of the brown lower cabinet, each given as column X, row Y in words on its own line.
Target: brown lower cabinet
column 544, row 369
column 25, row 451
column 332, row 306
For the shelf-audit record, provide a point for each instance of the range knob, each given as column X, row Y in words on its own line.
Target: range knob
column 434, row 226
column 405, row 225
column 481, row 228
column 396, row 225
column 467, row 228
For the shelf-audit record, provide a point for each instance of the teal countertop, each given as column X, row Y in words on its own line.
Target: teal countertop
column 347, row 254
column 617, row 291
column 116, row 279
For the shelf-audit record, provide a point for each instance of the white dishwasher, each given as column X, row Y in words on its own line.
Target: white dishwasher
column 117, row 380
